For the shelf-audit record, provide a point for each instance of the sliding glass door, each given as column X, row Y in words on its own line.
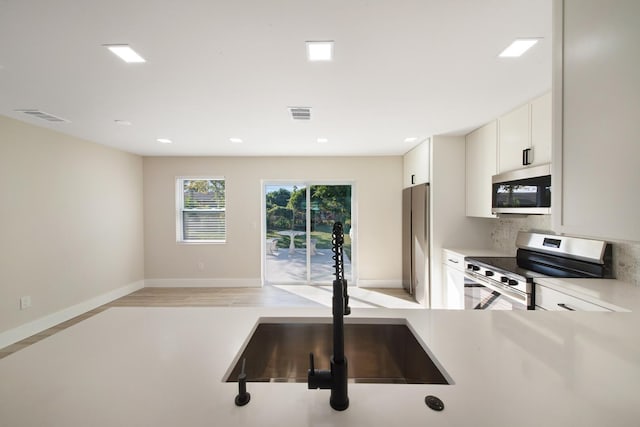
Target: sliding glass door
column 286, row 227
column 328, row 204
column 299, row 218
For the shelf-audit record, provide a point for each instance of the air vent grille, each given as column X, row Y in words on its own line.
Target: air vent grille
column 44, row 116
column 300, row 113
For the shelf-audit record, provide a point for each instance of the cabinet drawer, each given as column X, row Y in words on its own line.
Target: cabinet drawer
column 550, row 299
column 453, row 259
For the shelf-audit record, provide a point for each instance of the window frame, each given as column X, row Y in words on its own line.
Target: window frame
column 179, row 189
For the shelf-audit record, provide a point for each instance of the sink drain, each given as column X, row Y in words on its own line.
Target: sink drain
column 434, row 403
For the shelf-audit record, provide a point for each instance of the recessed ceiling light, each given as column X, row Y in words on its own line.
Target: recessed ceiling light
column 320, row 50
column 125, row 52
column 236, row 140
column 164, row 140
column 322, row 140
column 517, row 48
column 123, row 122
column 411, row 139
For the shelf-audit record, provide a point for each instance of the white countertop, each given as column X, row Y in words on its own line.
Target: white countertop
column 479, row 252
column 165, row 367
column 610, row 293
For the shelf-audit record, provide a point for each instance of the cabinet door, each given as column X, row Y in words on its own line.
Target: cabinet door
column 513, row 138
column 480, row 167
column 453, row 279
column 454, row 287
column 599, row 114
column 416, row 165
column 550, row 299
column 541, row 130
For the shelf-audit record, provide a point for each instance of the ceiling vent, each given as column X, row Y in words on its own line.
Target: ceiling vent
column 300, row 113
column 44, row 116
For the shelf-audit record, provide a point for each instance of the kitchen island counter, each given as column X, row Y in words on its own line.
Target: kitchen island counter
column 166, row 367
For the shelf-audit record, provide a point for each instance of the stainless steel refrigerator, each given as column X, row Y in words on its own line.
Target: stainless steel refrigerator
column 415, row 242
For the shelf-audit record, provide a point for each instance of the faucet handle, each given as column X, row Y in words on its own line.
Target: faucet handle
column 318, row 378
column 243, row 397
column 312, row 370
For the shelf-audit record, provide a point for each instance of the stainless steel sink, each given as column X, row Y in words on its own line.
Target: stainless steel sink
column 377, row 353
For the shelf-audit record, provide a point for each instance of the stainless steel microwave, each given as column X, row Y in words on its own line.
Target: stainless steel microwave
column 524, row 191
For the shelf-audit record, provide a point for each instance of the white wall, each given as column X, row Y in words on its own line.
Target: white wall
column 450, row 227
column 378, row 193
column 70, row 225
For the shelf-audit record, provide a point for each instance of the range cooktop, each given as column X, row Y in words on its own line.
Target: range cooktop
column 531, row 267
column 506, row 265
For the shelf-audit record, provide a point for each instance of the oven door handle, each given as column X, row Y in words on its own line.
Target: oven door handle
column 506, row 292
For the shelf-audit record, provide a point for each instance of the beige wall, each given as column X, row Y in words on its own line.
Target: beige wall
column 378, row 184
column 70, row 221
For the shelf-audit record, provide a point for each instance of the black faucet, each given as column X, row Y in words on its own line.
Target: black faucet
column 336, row 378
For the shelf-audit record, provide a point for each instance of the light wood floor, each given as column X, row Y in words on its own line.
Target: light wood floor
column 267, row 296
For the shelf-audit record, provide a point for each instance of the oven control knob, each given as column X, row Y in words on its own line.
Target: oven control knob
column 475, row 268
column 512, row 282
column 504, row 279
column 488, row 273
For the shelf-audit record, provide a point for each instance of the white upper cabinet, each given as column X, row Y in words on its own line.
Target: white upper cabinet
column 480, row 167
column 514, row 138
column 525, row 135
column 541, row 130
column 596, row 126
column 416, row 165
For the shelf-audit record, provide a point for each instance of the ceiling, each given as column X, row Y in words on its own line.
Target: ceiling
column 229, row 69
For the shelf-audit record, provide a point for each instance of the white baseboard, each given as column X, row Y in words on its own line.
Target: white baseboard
column 380, row 283
column 203, row 283
column 36, row 326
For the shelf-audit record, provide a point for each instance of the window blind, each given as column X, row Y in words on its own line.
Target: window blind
column 203, row 225
column 203, row 210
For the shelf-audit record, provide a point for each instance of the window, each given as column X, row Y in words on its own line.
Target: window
column 201, row 210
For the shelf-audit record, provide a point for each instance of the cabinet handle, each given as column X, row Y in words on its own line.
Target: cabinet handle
column 565, row 306
column 525, row 157
column 453, row 261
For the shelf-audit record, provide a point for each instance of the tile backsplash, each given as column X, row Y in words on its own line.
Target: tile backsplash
column 505, row 230
column 626, row 261
column 626, row 255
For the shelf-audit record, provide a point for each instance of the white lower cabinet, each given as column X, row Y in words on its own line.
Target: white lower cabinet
column 453, row 279
column 550, row 299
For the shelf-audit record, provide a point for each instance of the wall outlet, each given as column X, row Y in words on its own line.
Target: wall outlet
column 201, row 265
column 25, row 302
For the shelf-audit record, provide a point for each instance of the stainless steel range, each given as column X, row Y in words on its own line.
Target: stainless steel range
column 507, row 282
